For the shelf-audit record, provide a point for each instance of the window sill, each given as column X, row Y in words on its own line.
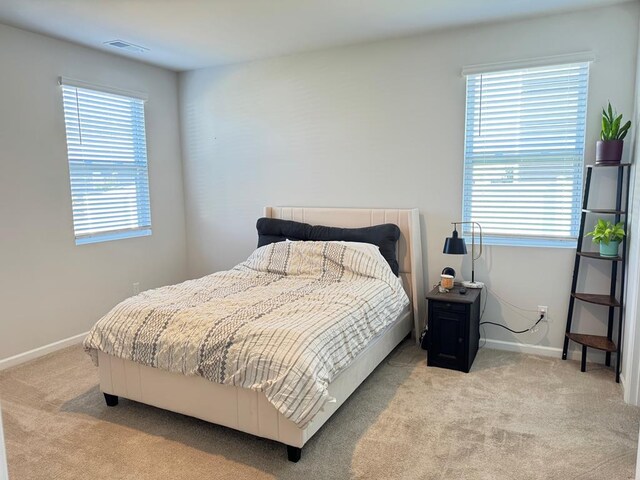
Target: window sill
column 109, row 236
column 524, row 242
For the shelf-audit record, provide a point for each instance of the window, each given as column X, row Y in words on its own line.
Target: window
column 524, row 154
column 106, row 147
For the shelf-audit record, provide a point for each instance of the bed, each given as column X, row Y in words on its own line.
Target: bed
column 250, row 410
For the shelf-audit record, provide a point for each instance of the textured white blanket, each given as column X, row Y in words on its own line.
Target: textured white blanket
column 285, row 322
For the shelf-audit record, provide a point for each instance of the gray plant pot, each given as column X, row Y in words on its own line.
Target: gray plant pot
column 609, row 151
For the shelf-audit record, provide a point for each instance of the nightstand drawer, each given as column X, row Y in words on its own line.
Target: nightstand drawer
column 449, row 307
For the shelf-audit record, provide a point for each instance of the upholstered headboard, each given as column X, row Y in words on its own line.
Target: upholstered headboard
column 409, row 245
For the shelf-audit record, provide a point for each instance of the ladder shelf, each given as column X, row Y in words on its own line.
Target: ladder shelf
column 601, row 342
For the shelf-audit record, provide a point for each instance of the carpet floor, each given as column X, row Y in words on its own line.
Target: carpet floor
column 513, row 416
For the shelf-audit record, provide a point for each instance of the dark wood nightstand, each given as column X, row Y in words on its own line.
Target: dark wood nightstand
column 453, row 328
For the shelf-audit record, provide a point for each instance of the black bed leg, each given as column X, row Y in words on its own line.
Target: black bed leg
column 112, row 400
column 294, row 453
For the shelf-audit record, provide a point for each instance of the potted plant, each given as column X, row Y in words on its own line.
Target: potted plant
column 608, row 236
column 609, row 147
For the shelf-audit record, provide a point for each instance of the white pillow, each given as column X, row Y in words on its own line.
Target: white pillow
column 368, row 248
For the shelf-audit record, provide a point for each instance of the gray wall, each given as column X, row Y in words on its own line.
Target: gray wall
column 382, row 125
column 631, row 358
column 51, row 289
column 4, row 473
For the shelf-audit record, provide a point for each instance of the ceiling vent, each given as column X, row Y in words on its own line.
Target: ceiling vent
column 129, row 47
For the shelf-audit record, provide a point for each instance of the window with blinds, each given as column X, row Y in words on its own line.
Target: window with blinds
column 524, row 153
column 106, row 146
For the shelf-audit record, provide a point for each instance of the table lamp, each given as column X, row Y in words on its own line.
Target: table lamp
column 454, row 245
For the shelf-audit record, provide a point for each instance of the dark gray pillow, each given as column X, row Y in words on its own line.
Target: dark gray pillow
column 385, row 236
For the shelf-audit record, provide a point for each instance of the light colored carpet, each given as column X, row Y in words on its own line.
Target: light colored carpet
column 512, row 417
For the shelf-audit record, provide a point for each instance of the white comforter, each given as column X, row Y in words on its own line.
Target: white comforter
column 285, row 322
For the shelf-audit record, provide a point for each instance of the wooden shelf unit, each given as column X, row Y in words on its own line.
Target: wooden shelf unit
column 599, row 342
column 604, row 211
column 599, row 257
column 598, row 299
column 612, row 301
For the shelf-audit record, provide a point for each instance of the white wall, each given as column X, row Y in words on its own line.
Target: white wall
column 382, row 124
column 51, row 289
column 638, row 462
column 631, row 357
column 4, row 472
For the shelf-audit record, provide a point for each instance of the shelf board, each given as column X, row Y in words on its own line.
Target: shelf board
column 599, row 257
column 617, row 165
column 593, row 341
column 606, row 300
column 604, row 211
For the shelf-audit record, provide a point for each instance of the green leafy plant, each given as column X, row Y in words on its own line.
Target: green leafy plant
column 605, row 232
column 611, row 129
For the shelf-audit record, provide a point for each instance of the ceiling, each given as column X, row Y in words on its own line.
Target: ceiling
column 188, row 34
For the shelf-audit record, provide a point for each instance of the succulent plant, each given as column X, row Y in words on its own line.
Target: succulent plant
column 611, row 129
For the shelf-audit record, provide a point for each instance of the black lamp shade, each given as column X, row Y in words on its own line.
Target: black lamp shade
column 454, row 245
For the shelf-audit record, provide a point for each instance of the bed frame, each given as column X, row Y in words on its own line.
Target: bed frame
column 249, row 411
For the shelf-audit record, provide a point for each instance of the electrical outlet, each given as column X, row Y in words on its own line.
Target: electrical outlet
column 136, row 288
column 542, row 310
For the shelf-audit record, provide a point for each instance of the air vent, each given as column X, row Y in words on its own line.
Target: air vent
column 129, row 47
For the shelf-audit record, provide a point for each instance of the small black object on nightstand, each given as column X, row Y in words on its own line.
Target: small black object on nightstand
column 463, row 291
column 453, row 328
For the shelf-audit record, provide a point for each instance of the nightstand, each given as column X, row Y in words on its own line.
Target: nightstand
column 453, row 328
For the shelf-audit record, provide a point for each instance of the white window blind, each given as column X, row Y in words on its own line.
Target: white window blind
column 106, row 145
column 524, row 153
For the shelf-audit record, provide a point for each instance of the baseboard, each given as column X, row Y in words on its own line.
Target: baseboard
column 41, row 351
column 539, row 350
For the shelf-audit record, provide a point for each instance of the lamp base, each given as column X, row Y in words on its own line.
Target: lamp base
column 473, row 284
